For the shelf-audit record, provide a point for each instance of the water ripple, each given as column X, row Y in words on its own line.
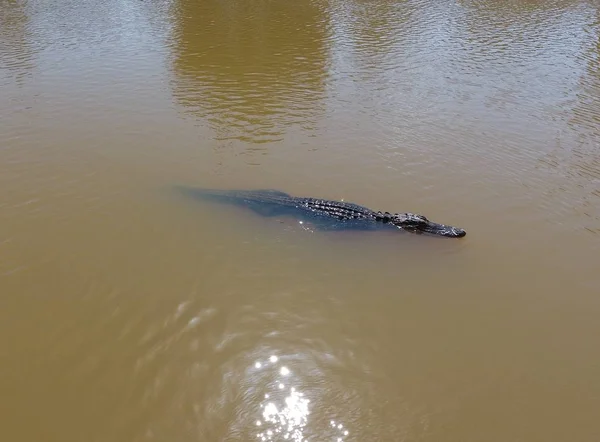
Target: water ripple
column 251, row 86
column 285, row 410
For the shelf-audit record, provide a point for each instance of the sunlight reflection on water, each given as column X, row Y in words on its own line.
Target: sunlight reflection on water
column 285, row 411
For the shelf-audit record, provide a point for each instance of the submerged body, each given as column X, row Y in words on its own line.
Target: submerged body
column 324, row 214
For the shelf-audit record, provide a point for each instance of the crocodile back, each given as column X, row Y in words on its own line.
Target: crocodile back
column 316, row 206
column 275, row 202
column 336, row 209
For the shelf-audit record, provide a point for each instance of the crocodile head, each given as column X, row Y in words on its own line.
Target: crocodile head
column 412, row 222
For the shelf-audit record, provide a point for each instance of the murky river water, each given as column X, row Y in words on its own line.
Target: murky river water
column 128, row 313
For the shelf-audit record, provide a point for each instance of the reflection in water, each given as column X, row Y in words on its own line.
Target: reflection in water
column 371, row 32
column 285, row 410
column 16, row 52
column 585, row 157
column 576, row 156
column 586, row 114
column 251, row 69
column 527, row 45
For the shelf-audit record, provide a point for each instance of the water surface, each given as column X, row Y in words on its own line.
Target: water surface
column 128, row 313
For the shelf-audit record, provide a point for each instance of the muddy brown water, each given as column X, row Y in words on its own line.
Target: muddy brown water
column 129, row 313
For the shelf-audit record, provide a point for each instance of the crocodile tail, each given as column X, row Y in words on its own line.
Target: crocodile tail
column 224, row 195
column 205, row 194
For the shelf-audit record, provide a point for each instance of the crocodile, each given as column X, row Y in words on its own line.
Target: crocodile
column 322, row 213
